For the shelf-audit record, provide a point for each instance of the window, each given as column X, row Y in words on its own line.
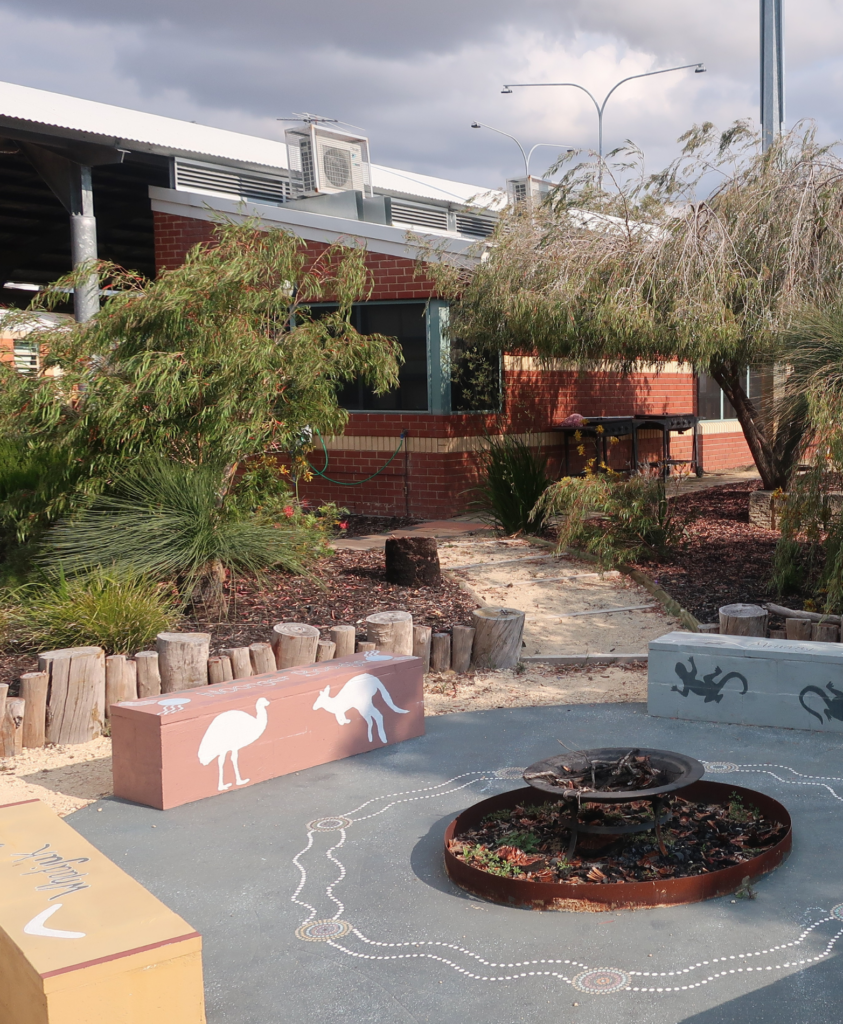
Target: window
column 406, row 321
column 712, row 404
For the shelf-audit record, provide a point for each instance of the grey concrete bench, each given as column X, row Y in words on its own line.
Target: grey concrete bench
column 747, row 680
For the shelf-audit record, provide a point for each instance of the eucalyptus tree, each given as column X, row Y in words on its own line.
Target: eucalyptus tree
column 705, row 263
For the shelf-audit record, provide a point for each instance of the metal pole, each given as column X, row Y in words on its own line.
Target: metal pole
column 772, row 70
column 83, row 247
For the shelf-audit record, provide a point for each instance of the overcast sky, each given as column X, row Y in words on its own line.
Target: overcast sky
column 415, row 74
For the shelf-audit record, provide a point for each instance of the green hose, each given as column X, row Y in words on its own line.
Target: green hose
column 355, row 483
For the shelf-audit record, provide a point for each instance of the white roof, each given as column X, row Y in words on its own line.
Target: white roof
column 136, row 130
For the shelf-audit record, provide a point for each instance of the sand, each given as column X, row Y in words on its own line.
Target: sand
column 64, row 777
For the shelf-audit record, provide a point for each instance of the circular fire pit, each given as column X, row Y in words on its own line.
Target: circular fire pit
column 566, row 778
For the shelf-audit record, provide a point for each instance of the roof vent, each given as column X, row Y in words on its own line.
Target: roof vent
column 329, row 160
column 217, row 180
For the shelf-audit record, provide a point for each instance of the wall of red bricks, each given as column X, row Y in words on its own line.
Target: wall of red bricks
column 433, row 486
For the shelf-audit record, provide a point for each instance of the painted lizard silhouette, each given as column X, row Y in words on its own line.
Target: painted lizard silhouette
column 709, row 686
column 358, row 693
column 833, row 705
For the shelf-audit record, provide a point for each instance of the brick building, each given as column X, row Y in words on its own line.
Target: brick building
column 157, row 185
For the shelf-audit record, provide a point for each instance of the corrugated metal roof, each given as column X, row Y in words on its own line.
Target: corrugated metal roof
column 91, row 121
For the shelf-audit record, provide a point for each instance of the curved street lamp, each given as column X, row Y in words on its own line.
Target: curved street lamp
column 699, row 69
column 524, row 154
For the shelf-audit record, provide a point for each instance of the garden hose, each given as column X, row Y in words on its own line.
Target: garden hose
column 355, row 483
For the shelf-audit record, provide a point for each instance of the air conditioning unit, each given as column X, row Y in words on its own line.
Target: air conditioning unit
column 327, row 161
column 522, row 189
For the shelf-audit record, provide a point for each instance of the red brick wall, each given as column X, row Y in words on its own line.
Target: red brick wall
column 433, row 485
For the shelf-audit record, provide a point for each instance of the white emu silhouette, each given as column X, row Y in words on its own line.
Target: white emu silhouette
column 228, row 733
column 358, row 693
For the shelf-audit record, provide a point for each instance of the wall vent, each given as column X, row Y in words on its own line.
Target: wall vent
column 475, row 225
column 215, row 180
column 417, row 216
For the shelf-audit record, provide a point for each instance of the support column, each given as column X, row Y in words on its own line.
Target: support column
column 772, row 70
column 83, row 245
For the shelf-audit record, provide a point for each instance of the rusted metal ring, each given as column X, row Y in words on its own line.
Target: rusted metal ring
column 665, row 892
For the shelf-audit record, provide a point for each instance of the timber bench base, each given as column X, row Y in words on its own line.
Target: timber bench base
column 174, row 749
column 80, row 941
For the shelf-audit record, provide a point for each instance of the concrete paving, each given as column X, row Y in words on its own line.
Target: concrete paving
column 408, row 947
column 441, row 529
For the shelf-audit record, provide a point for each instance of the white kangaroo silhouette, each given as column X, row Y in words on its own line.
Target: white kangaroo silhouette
column 358, row 693
column 228, row 732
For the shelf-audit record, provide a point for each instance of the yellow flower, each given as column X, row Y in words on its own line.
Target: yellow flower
column 285, row 470
column 614, row 440
column 581, row 449
column 578, row 435
column 599, row 429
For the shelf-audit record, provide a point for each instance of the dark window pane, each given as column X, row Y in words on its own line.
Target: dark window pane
column 708, row 397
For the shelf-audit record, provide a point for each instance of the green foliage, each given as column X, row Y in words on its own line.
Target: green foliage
column 525, row 841
column 215, row 361
column 169, row 521
column 621, row 266
column 617, row 519
column 513, row 478
column 118, row 611
column 491, row 862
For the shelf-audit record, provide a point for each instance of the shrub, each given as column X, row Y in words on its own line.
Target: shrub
column 169, row 521
column 118, row 611
column 513, row 480
column 617, row 519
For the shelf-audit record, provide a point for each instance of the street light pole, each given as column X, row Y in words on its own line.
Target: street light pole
column 526, row 156
column 599, row 107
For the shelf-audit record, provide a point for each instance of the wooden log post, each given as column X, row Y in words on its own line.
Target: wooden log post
column 121, row 681
column 4, row 690
column 183, row 660
column 421, row 646
column 33, row 691
column 497, row 637
column 825, row 632
column 412, row 561
column 462, row 640
column 391, row 632
column 440, row 652
column 743, row 620
column 364, row 646
column 11, row 728
column 215, row 674
column 263, row 660
column 75, row 694
column 798, row 629
column 294, row 644
column 344, row 638
column 325, row 650
column 241, row 661
column 778, row 634
column 149, row 678
column 227, row 671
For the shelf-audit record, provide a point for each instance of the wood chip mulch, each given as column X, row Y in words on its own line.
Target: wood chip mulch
column 343, row 591
column 729, row 560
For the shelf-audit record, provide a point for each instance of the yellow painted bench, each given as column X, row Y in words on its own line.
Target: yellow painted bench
column 80, row 941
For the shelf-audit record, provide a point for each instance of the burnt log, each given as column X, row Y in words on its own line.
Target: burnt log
column 412, row 561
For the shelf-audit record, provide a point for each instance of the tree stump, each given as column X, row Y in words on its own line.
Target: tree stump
column 825, row 632
column 364, row 646
column 4, row 689
column 798, row 629
column 462, row 639
column 33, row 691
column 391, row 632
column 263, row 660
column 294, row 644
column 421, row 646
column 183, row 660
column 325, row 650
column 344, row 638
column 121, row 681
column 412, row 561
column 743, row 620
column 440, row 652
column 11, row 728
column 778, row 634
column 149, row 679
column 241, row 661
column 497, row 637
column 227, row 671
column 75, row 694
column 215, row 671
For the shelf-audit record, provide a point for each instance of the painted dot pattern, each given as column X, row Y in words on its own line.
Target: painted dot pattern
column 794, row 955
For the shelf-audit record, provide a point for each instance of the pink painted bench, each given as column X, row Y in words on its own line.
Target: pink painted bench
column 173, row 749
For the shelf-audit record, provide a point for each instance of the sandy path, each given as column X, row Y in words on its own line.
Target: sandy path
column 495, row 578
column 65, row 778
